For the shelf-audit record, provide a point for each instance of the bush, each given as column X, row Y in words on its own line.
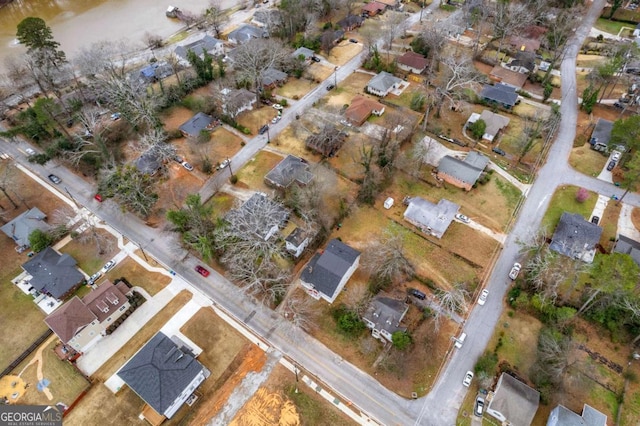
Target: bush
column 233, row 179
column 401, row 340
column 348, row 321
column 477, row 128
column 39, row 240
column 487, row 364
column 582, row 195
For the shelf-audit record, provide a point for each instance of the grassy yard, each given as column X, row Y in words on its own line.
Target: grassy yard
column 253, row 173
column 256, row 118
column 564, row 199
column 103, row 407
column 611, row 27
column 137, row 275
column 138, row 340
column 295, row 88
column 609, row 224
column 221, row 203
column 87, row 254
column 587, row 161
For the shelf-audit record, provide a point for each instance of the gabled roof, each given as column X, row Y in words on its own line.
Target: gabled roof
column 506, row 76
column 628, row 246
column 386, row 313
column 297, row 237
column 562, row 416
column 53, row 273
column 602, row 132
column 495, row 122
column 160, row 372
column 246, row 32
column 413, row 60
column 268, row 17
column 436, row 217
column 467, row 171
column 288, row 170
column 148, row 163
column 304, row 51
column 263, row 225
column 272, row 75
column 383, row 81
column 361, row 108
column 374, row 6
column 576, row 237
column 524, row 59
column 196, row 124
column 524, row 44
column 105, row 300
column 24, row 224
column 69, row 319
column 516, row 401
column 325, row 270
column 350, row 21
column 500, row 93
column 205, row 44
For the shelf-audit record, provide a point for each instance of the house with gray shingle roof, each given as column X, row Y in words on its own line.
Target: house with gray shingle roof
column 500, row 94
column 163, row 374
column 432, row 219
column 199, row 122
column 53, row 273
column 562, row 416
column 383, row 317
column 626, row 245
column 576, row 237
column 328, row 271
column 290, row 169
column 148, row 163
column 495, row 123
column 513, row 402
column 270, row 19
column 272, row 77
column 601, row 135
column 208, row 44
column 297, row 241
column 24, row 224
column 382, row 83
column 462, row 173
column 245, row 33
column 305, row 52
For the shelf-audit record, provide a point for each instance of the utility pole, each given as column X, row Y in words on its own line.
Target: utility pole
column 71, row 196
column 335, row 77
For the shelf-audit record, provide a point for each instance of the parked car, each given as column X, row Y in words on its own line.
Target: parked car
column 353, row 40
column 618, row 105
column 263, row 129
column 115, row 116
column 417, row 294
column 178, row 159
column 330, row 87
column 187, row 166
column 615, row 155
column 462, row 218
column 499, row 151
column 202, row 271
column 459, row 341
column 315, row 59
column 55, row 179
column 277, row 106
column 467, row 379
column 98, row 197
column 515, row 271
column 483, row 297
column 611, row 165
column 93, row 278
column 478, row 409
column 275, row 120
column 110, row 264
column 30, row 151
column 266, row 101
column 595, row 220
column 224, row 164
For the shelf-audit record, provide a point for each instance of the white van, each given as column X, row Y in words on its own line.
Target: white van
column 460, row 340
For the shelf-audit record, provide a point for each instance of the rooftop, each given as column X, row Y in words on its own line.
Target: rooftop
column 576, row 237
column 24, row 224
column 290, row 169
column 326, row 269
column 53, row 273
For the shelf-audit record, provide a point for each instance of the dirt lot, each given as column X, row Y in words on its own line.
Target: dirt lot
column 278, row 403
column 296, row 88
column 133, row 272
column 17, row 308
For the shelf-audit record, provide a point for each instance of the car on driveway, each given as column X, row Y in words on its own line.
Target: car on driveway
column 462, row 218
column 478, row 409
column 278, row 107
column 110, row 264
column 275, row 120
column 93, row 278
column 515, row 270
column 595, row 220
column 353, row 40
column 417, row 294
column 499, row 151
column 483, row 297
column 202, row 271
column 615, row 155
column 611, row 165
column 115, row 116
column 55, row 179
column 30, row 151
column 187, row 166
column 263, row 129
column 467, row 379
column 315, row 59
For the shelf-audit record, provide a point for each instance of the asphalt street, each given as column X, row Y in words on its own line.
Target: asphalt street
column 441, row 406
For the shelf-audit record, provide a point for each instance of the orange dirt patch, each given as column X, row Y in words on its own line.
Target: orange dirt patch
column 266, row 409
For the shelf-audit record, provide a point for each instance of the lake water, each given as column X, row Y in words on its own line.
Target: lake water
column 76, row 23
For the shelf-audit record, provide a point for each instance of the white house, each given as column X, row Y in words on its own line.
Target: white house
column 383, row 83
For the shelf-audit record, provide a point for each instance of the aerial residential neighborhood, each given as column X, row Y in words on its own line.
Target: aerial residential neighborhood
column 386, row 212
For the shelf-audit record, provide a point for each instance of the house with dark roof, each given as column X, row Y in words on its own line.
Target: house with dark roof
column 199, row 122
column 382, row 83
column 432, row 219
column 524, row 63
column 163, row 374
column 373, row 8
column 211, row 45
column 503, row 75
column 500, row 95
column 290, row 169
column 462, row 173
column 272, row 77
column 304, row 52
column 53, row 274
column 269, row 19
column 351, row 22
column 513, row 402
column 383, row 317
column 265, row 225
column 626, row 245
column 246, row 32
column 412, row 62
column 562, row 416
column 154, row 72
column 361, row 109
column 495, row 123
column 24, row 224
column 329, row 270
column 80, row 323
column 297, row 241
column 576, row 237
column 148, row 163
column 601, row 135
column 237, row 101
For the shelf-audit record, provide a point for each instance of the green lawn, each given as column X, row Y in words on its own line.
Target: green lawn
column 564, row 199
column 611, row 27
column 87, row 255
column 587, row 161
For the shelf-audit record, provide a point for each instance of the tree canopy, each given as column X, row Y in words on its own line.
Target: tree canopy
column 37, row 36
column 626, row 132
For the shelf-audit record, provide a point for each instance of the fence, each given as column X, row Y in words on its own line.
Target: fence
column 26, row 353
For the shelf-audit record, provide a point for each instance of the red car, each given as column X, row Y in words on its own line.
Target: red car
column 98, row 197
column 202, row 271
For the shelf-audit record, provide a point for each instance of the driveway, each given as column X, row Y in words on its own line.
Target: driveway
column 625, row 225
column 601, row 205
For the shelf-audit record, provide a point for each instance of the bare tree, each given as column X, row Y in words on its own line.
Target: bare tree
column 509, row 18
column 454, row 300
column 155, row 141
column 215, row 17
column 393, row 26
column 152, row 41
column 557, row 35
column 371, row 34
column 299, row 310
column 386, row 258
column 7, row 182
column 327, row 141
column 458, row 74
